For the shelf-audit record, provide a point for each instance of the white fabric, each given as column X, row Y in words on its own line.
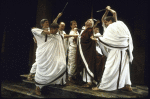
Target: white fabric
column 98, row 49
column 33, row 68
column 86, row 77
column 38, row 34
column 71, row 54
column 50, row 58
column 71, row 43
column 65, row 41
column 117, row 35
column 104, row 27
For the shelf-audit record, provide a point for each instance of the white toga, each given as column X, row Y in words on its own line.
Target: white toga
column 71, row 54
column 117, row 39
column 50, row 59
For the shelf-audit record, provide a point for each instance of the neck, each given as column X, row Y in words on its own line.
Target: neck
column 60, row 30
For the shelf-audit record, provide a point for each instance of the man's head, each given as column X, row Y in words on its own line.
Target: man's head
column 109, row 20
column 89, row 23
column 44, row 23
column 54, row 28
column 73, row 24
column 61, row 26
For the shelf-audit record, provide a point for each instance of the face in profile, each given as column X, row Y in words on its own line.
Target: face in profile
column 88, row 23
column 62, row 26
column 46, row 24
column 107, row 23
column 53, row 31
column 74, row 25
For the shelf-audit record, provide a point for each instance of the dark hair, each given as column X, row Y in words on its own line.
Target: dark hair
column 54, row 25
column 72, row 22
column 108, row 18
column 42, row 21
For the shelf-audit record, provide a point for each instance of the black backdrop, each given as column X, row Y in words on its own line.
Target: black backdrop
column 18, row 16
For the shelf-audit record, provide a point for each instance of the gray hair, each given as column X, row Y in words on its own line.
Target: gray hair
column 42, row 21
column 92, row 22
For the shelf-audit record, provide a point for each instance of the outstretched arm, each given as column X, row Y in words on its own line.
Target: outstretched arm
column 66, row 36
column 56, row 19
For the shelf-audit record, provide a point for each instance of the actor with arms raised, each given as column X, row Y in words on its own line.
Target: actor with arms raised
column 117, row 39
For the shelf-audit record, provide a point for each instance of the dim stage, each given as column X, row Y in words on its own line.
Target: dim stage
column 26, row 89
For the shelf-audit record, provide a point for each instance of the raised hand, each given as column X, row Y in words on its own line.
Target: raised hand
column 59, row 15
column 108, row 7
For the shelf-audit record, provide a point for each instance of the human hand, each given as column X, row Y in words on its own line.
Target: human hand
column 108, row 7
column 75, row 30
column 59, row 15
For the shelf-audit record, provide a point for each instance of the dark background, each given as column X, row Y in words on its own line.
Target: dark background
column 19, row 16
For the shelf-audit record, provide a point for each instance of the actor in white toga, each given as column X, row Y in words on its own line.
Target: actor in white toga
column 50, row 58
column 63, row 33
column 72, row 43
column 117, row 39
column 45, row 26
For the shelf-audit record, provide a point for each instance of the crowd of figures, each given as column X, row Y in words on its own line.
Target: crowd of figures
column 100, row 61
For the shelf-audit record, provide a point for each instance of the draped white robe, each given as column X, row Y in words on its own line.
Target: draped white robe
column 71, row 54
column 65, row 41
column 50, row 59
column 117, row 39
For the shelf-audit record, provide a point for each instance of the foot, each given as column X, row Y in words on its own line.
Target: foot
column 95, row 88
column 38, row 91
column 29, row 77
column 87, row 85
column 127, row 88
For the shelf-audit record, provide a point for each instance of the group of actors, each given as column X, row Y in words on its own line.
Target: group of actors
column 100, row 61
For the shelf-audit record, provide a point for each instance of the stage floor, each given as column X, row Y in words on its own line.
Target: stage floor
column 73, row 91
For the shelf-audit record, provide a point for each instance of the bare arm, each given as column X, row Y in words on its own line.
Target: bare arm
column 67, row 36
column 56, row 19
column 105, row 14
column 112, row 11
column 92, row 37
